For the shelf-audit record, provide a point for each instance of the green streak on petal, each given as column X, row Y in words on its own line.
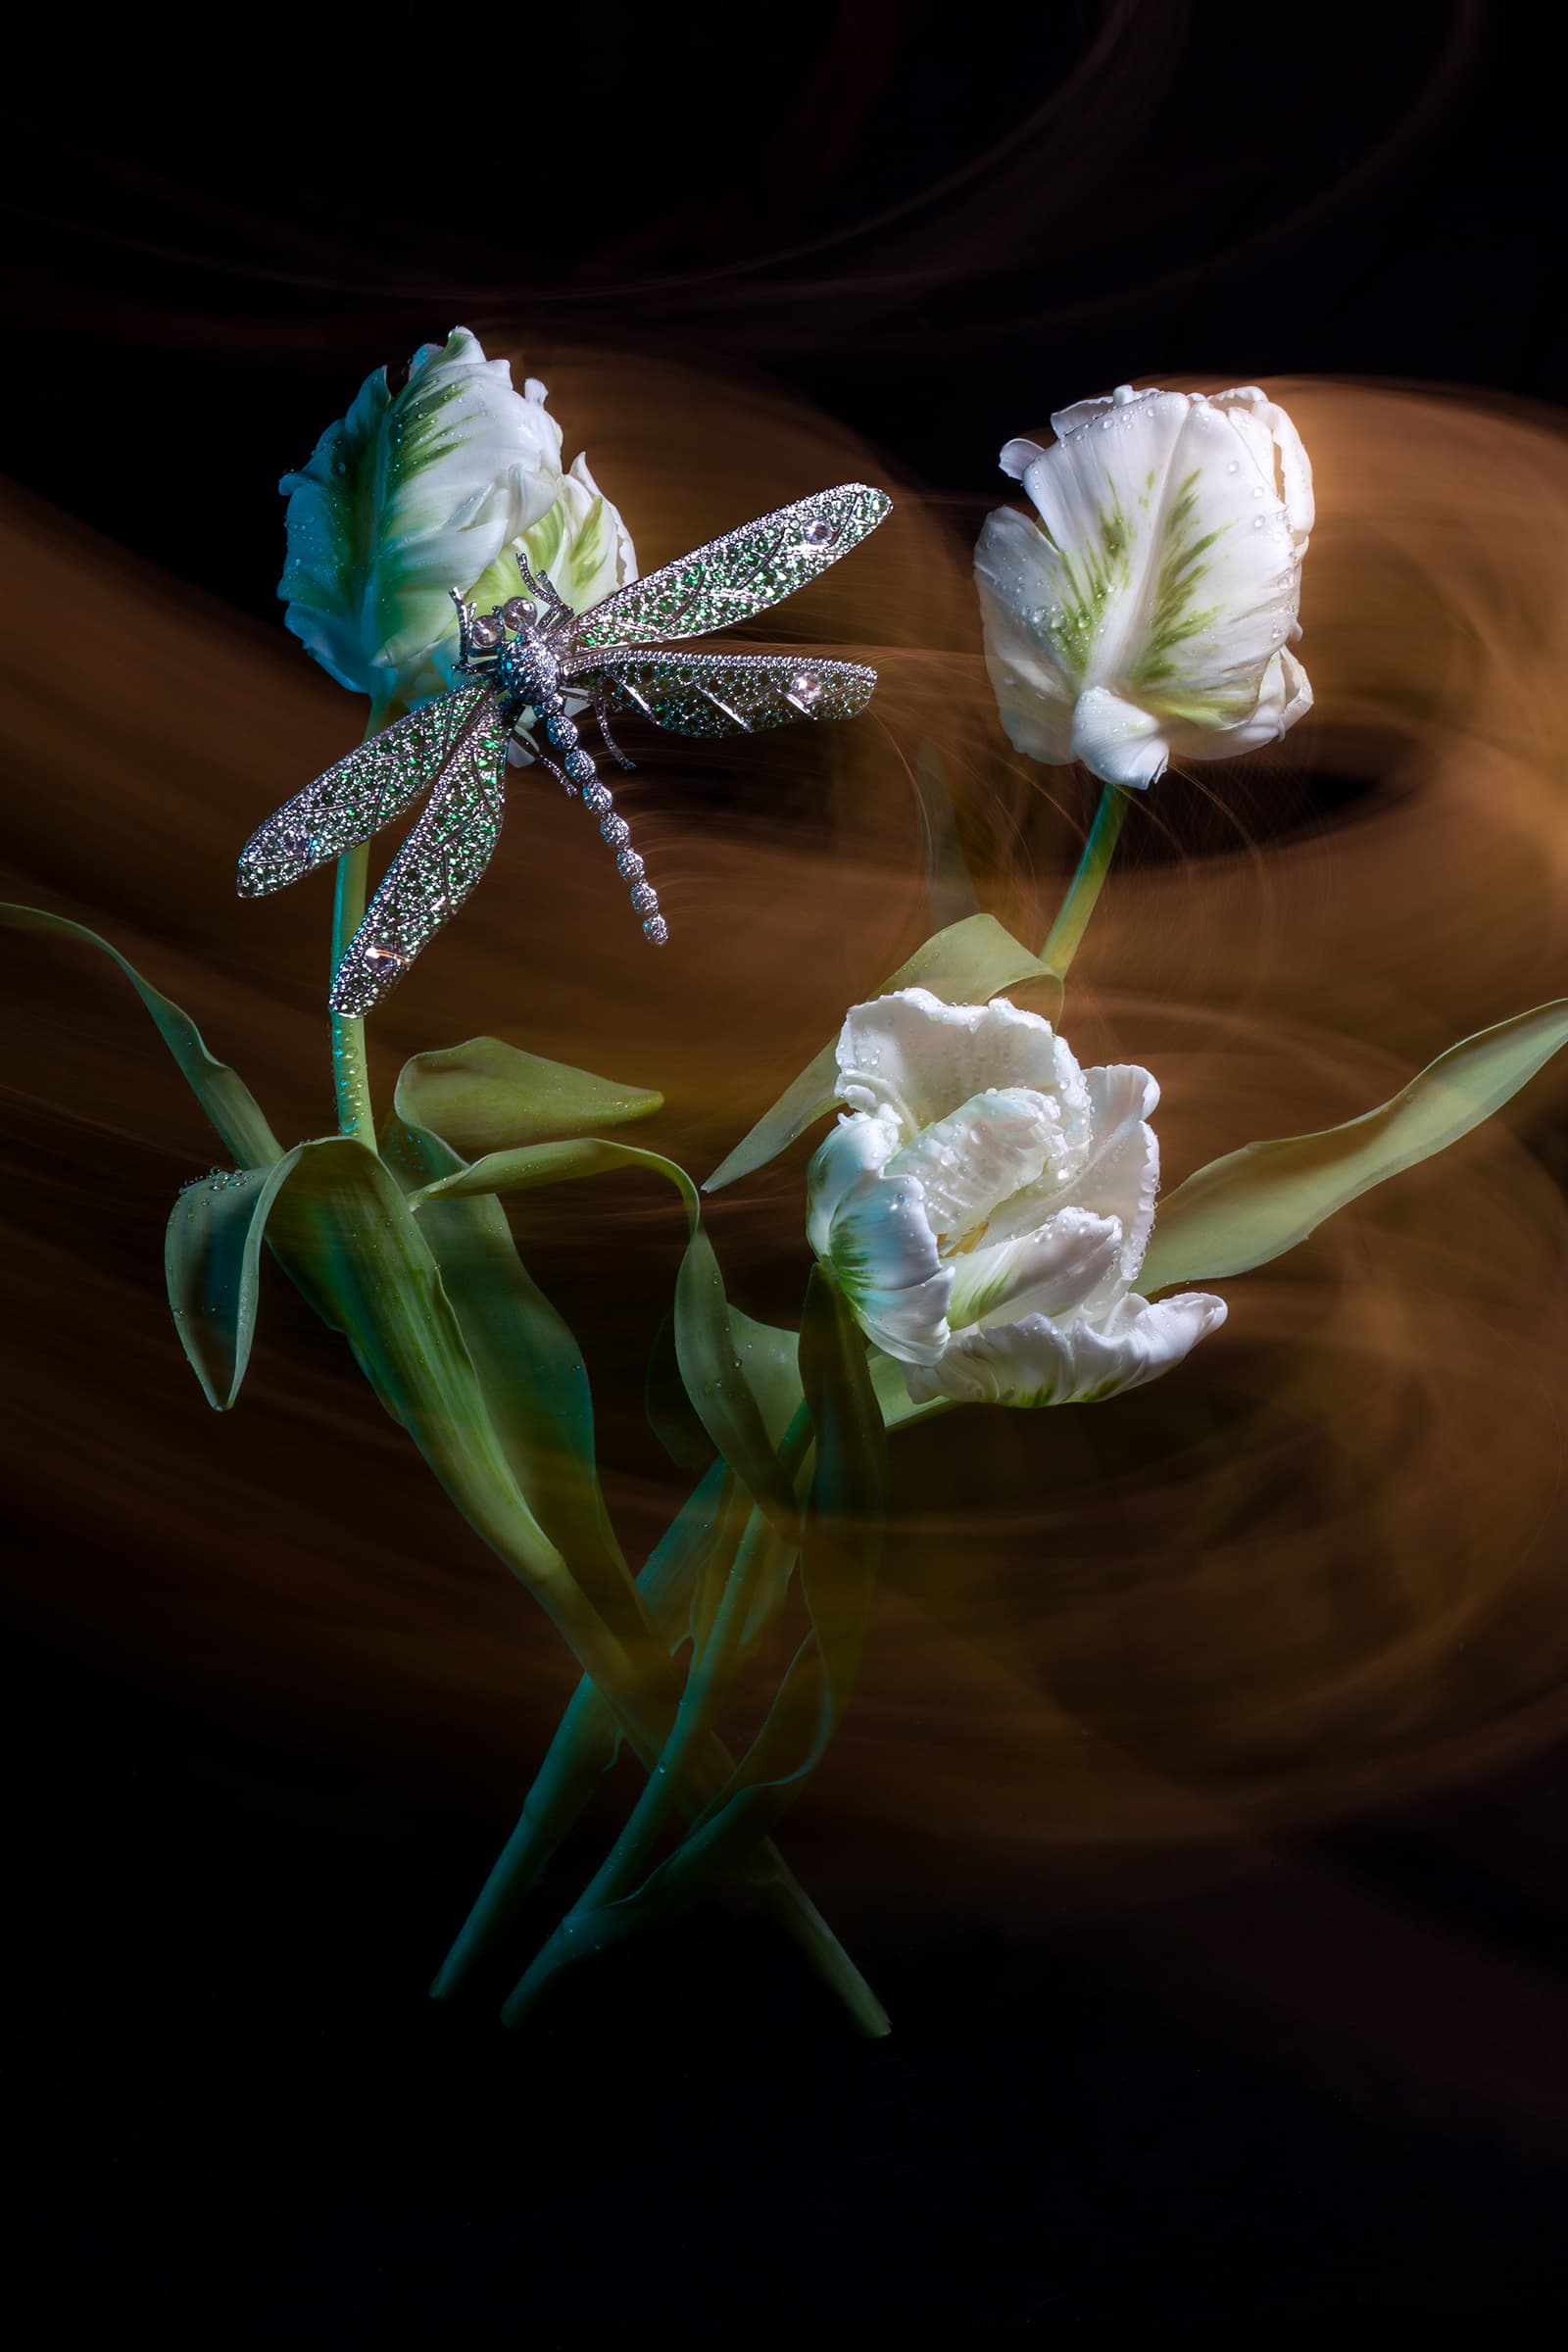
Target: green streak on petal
column 1174, row 616
column 1099, row 571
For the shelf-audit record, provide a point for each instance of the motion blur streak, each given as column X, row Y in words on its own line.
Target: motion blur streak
column 1122, row 1649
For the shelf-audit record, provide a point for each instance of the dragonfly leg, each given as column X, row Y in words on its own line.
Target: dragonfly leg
column 602, row 722
column 465, row 617
column 560, row 773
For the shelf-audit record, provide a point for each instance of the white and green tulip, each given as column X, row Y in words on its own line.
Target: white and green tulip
column 985, row 1206
column 1150, row 611
column 417, row 492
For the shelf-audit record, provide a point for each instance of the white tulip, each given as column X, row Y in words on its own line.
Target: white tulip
column 985, row 1206
column 1149, row 612
column 409, row 495
column 582, row 541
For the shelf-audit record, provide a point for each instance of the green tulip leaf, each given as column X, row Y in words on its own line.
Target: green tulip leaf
column 842, row 1549
column 486, row 1095
column 845, row 1512
column 967, row 963
column 770, row 1358
column 671, row 1415
column 212, row 1263
column 528, row 1365
column 1255, row 1203
column 343, row 1230
column 224, row 1097
column 711, row 1365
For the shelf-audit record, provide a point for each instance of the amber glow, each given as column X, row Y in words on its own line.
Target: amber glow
column 1319, row 1566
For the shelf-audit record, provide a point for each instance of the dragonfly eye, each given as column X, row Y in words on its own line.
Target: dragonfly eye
column 485, row 631
column 519, row 612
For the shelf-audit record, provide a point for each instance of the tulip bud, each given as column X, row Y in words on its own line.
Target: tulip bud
column 1148, row 613
column 409, row 495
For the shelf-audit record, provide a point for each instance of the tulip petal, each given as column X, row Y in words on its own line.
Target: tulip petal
column 857, row 1148
column 1117, row 1176
column 1015, row 576
column 885, row 1257
column 872, row 1229
column 1018, row 455
column 1284, row 461
column 1045, row 1273
column 581, row 542
column 911, row 1057
column 1116, row 741
column 1036, row 1361
column 1284, row 696
column 978, row 1156
column 968, row 961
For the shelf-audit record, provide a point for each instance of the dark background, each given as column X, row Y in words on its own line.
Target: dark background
column 241, row 2123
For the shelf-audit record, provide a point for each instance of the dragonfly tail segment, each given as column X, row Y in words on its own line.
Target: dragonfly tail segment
column 575, row 767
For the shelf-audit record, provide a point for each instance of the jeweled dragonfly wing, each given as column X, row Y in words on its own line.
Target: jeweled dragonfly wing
column 724, row 694
column 521, row 658
column 360, row 794
column 437, row 865
column 732, row 577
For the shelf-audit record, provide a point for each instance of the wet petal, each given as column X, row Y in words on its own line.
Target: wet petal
column 978, row 1156
column 857, row 1148
column 1044, row 1273
column 1117, row 742
column 1016, row 578
column 916, row 1058
column 406, row 496
column 884, row 1253
column 1117, row 1175
column 1145, row 613
column 1036, row 1361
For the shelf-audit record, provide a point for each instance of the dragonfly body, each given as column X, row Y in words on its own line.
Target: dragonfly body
column 534, row 657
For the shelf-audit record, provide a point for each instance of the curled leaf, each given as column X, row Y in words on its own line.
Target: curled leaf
column 1255, row 1203
column 224, row 1097
column 712, row 1366
column 212, row 1263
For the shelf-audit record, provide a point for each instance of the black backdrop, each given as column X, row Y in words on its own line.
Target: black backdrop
column 904, row 213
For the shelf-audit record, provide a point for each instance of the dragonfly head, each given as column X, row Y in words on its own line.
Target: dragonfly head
column 523, row 666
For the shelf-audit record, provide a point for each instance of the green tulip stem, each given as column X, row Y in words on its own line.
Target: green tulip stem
column 579, row 1756
column 1085, row 886
column 351, row 1074
column 754, row 1563
column 351, row 1071
column 632, row 1851
column 639, row 1684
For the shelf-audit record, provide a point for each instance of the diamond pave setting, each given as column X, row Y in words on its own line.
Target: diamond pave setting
column 533, row 655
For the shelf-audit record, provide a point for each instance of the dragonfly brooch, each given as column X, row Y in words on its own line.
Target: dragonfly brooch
column 528, row 656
